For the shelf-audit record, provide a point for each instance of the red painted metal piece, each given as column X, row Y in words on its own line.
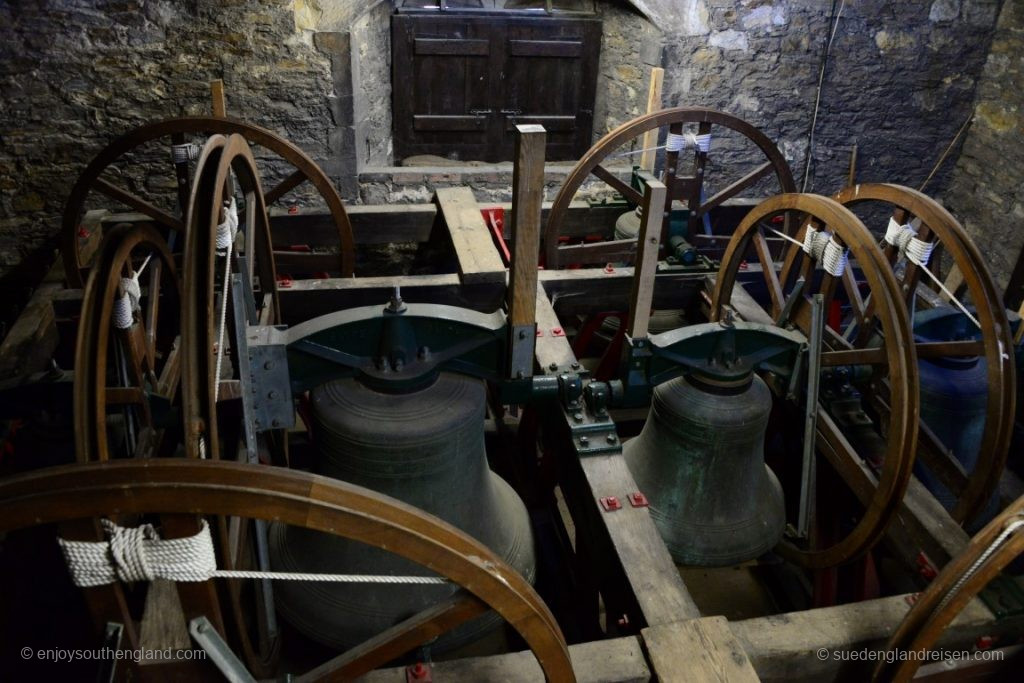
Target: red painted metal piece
column 557, row 332
column 284, row 281
column 293, row 210
column 419, row 673
column 638, row 500
column 495, row 219
column 611, row 503
column 925, row 568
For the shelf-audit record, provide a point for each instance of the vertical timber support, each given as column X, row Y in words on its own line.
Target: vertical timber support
column 220, row 108
column 527, row 198
column 646, row 267
column 650, row 140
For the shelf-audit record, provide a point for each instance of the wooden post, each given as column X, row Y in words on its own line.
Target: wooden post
column 220, row 109
column 653, row 105
column 527, row 198
column 646, row 260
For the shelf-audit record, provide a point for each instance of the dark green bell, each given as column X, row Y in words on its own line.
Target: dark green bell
column 700, row 462
column 425, row 448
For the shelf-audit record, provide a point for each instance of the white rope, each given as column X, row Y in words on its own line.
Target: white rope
column 186, row 152
column 822, row 247
column 675, row 142
column 919, row 252
column 226, row 232
column 140, row 554
column 905, row 238
column 702, row 142
column 998, row 541
column 126, row 304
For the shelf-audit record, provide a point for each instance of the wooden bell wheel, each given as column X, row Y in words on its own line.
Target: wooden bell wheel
column 126, row 352
column 186, row 486
column 892, row 361
column 211, row 369
column 177, row 132
column 937, row 227
column 216, row 277
column 987, row 554
column 689, row 189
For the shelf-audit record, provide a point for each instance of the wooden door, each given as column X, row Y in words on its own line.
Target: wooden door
column 460, row 84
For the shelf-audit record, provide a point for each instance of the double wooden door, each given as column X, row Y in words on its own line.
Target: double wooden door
column 460, row 84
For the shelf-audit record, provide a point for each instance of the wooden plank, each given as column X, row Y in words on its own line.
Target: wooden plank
column 743, row 304
column 642, row 295
column 650, row 574
column 32, row 339
column 650, row 139
column 452, row 46
column 527, row 195
column 614, row 251
column 545, row 48
column 220, row 107
column 552, row 350
column 785, row 647
column 307, row 299
column 554, row 124
column 449, row 123
column 371, row 224
column 474, row 246
column 697, row 651
column 616, row 660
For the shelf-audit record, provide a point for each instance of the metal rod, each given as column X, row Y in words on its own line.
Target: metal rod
column 807, row 474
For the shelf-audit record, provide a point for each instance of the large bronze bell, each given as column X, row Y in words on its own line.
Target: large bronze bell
column 700, row 462
column 425, row 448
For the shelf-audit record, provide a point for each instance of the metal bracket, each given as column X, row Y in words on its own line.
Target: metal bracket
column 522, row 340
column 270, row 392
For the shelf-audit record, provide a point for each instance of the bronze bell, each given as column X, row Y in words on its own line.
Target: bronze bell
column 700, row 462
column 425, row 448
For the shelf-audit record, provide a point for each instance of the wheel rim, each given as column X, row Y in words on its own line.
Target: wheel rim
column 151, row 335
column 896, row 360
column 185, row 486
column 90, row 180
column 631, row 129
column 943, row 228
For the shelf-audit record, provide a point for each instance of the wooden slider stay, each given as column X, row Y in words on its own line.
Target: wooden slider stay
column 527, row 198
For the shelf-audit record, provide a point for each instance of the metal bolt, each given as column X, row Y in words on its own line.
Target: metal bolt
column 268, row 365
column 271, row 394
column 424, row 352
column 584, row 441
column 578, row 417
column 519, row 374
column 275, row 423
column 522, row 334
column 611, row 438
column 575, row 366
column 553, row 366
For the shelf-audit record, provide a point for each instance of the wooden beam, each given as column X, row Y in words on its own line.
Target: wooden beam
column 306, row 299
column 220, row 107
column 617, row 660
column 642, row 294
column 527, row 195
column 653, row 104
column 371, row 224
column 474, row 247
column 699, row 650
column 552, row 348
column 785, row 647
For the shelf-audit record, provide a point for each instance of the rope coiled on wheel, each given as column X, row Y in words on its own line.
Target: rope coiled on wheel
column 123, row 313
column 823, row 247
column 905, row 238
column 139, row 554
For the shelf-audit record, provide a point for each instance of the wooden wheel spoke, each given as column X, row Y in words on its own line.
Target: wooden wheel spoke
column 152, row 313
column 285, row 186
column 732, row 190
column 771, row 278
column 625, row 189
column 137, row 203
column 399, row 639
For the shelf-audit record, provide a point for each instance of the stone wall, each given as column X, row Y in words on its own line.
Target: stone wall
column 987, row 188
column 76, row 73
column 899, row 82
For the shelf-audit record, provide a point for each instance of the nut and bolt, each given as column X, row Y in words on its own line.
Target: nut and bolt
column 584, row 441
